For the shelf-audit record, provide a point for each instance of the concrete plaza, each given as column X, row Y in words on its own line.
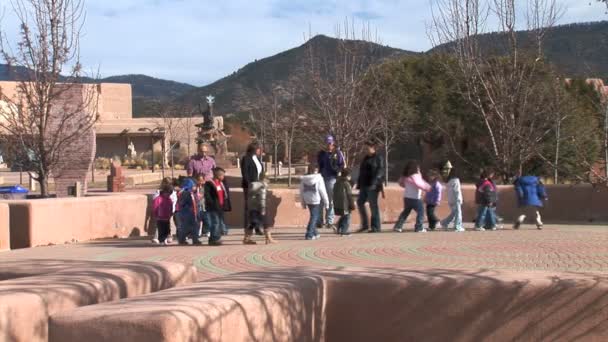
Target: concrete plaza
column 557, row 248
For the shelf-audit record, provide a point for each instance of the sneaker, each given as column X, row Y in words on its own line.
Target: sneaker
column 460, row 230
column 208, row 234
column 197, row 243
column 494, row 228
column 155, row 241
column 398, row 230
column 169, row 240
column 333, row 227
column 444, row 227
column 317, row 237
column 345, row 235
column 480, row 229
column 182, row 243
column 362, row 230
column 539, row 221
column 422, row 231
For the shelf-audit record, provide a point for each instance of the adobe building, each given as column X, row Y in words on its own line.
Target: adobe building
column 118, row 134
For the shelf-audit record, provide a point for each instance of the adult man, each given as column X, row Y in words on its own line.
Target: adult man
column 201, row 164
column 370, row 184
column 251, row 171
column 331, row 163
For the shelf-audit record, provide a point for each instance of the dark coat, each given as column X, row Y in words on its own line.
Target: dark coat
column 212, row 200
column 344, row 202
column 487, row 192
column 249, row 172
column 371, row 173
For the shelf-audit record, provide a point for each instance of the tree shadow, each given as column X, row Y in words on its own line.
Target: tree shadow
column 360, row 304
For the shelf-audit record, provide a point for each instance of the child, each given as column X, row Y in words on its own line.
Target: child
column 166, row 183
column 217, row 200
column 344, row 203
column 203, row 222
column 188, row 213
column 486, row 195
column 414, row 185
column 455, row 200
column 433, row 198
column 314, row 195
column 162, row 211
column 531, row 193
column 256, row 205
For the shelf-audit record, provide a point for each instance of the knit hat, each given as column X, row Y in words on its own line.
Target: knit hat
column 330, row 139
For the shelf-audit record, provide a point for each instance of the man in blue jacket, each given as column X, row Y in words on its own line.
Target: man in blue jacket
column 531, row 193
column 330, row 162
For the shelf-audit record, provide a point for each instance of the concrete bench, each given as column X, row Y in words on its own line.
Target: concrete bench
column 26, row 303
column 354, row 305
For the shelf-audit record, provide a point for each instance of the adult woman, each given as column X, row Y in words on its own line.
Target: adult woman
column 251, row 171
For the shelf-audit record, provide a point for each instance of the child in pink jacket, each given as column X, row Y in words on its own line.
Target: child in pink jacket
column 162, row 211
column 414, row 186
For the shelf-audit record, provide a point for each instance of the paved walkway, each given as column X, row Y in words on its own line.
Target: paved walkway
column 556, row 248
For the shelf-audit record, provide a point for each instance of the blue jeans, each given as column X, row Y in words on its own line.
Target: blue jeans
column 315, row 213
column 330, row 183
column 410, row 204
column 188, row 225
column 215, row 220
column 223, row 226
column 486, row 217
column 370, row 196
column 344, row 224
column 455, row 216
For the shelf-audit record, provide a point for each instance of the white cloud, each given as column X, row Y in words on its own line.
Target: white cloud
column 199, row 41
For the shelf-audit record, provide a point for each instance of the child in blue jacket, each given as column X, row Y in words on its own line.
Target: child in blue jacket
column 531, row 194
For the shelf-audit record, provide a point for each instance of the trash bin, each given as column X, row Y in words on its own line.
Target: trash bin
column 16, row 192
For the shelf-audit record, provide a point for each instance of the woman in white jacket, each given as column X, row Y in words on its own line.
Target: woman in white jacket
column 313, row 194
column 455, row 200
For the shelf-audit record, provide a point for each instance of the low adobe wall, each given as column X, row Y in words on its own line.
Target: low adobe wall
column 57, row 221
column 5, row 236
column 27, row 302
column 580, row 203
column 318, row 305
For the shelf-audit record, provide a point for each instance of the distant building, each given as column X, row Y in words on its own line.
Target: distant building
column 119, row 134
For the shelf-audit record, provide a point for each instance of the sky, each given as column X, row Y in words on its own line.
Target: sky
column 200, row 41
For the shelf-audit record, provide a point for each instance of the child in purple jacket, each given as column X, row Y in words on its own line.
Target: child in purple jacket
column 433, row 198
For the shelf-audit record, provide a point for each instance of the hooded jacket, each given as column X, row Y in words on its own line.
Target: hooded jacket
column 312, row 191
column 414, row 185
column 344, row 202
column 454, row 192
column 330, row 163
column 530, row 191
column 212, row 199
column 487, row 193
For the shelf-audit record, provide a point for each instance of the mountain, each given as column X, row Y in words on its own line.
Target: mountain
column 576, row 50
column 240, row 91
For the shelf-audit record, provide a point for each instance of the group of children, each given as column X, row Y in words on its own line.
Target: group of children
column 197, row 206
column 529, row 189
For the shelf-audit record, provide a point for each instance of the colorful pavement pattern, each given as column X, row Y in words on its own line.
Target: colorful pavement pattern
column 556, row 248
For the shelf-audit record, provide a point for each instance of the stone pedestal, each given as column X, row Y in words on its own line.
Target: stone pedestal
column 116, row 180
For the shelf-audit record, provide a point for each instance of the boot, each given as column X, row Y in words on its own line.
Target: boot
column 269, row 239
column 247, row 240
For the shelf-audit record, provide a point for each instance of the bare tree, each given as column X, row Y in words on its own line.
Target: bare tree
column 335, row 88
column 51, row 109
column 509, row 92
column 292, row 120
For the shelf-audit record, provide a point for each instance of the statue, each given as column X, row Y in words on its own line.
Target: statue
column 132, row 152
column 211, row 131
column 208, row 113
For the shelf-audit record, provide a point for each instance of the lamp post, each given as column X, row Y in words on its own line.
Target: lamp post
column 152, row 132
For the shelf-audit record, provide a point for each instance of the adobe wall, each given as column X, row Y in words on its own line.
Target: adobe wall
column 57, row 221
column 5, row 237
column 115, row 101
column 574, row 204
